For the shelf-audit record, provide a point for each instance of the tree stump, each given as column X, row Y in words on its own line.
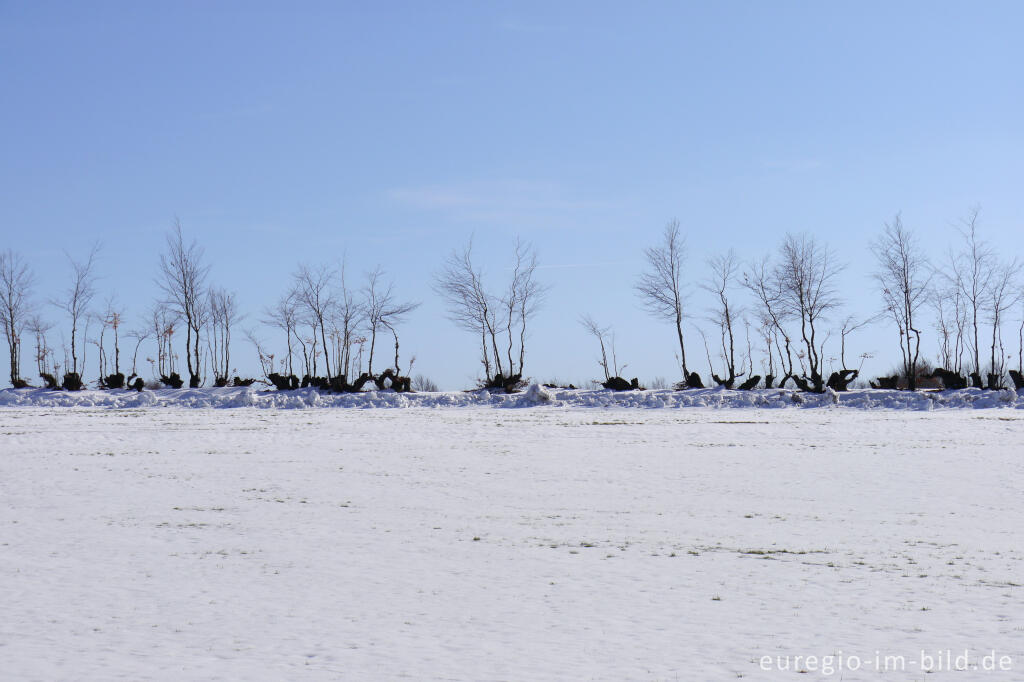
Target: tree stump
column 750, row 383
column 618, row 384
column 173, row 381
column 950, row 380
column 841, row 380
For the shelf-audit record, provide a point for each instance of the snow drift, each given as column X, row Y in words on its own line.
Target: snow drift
column 536, row 395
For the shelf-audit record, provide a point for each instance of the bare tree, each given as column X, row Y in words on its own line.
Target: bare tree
column 16, row 283
column 184, row 283
column 266, row 358
column 724, row 269
column 350, row 316
column 460, row 283
column 474, row 309
column 111, row 318
column 950, row 322
column 661, row 288
column 599, row 333
column 313, row 292
column 903, row 278
column 850, row 325
column 283, row 315
column 163, row 320
column 422, row 384
column 970, row 273
column 763, row 281
column 38, row 327
column 223, row 307
column 1020, row 341
column 139, row 335
column 76, row 300
column 383, row 311
column 805, row 274
column 521, row 301
column 1003, row 294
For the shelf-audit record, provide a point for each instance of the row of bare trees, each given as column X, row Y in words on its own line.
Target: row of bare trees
column 330, row 328
column 186, row 300
column 793, row 309
column 776, row 320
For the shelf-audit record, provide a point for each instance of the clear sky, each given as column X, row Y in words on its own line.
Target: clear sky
column 391, row 132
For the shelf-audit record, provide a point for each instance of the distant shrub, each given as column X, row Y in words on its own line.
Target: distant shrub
column 49, row 381
column 72, row 382
column 422, row 384
column 239, row 381
column 19, row 383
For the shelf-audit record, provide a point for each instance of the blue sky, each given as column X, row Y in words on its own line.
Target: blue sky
column 391, row 132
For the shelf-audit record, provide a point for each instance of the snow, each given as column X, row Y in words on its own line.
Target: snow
column 535, row 395
column 148, row 536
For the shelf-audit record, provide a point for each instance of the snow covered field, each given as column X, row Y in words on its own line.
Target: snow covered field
column 551, row 542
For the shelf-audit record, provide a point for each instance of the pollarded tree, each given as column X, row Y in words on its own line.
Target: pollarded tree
column 520, row 302
column 805, row 274
column 1003, row 294
column 903, row 279
column 112, row 318
column 183, row 282
column 970, row 272
column 661, row 286
column 283, row 315
column 163, row 320
column 349, row 315
column 611, row 368
column 724, row 269
column 472, row 307
column 75, row 303
column 1020, row 341
column 15, row 307
column 950, row 322
column 383, row 311
column 39, row 327
column 762, row 281
column 460, row 283
column 139, row 335
column 313, row 292
column 224, row 315
column 598, row 332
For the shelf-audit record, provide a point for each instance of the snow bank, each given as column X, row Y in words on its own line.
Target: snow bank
column 536, row 395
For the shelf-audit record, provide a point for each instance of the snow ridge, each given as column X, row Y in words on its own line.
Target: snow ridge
column 535, row 395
